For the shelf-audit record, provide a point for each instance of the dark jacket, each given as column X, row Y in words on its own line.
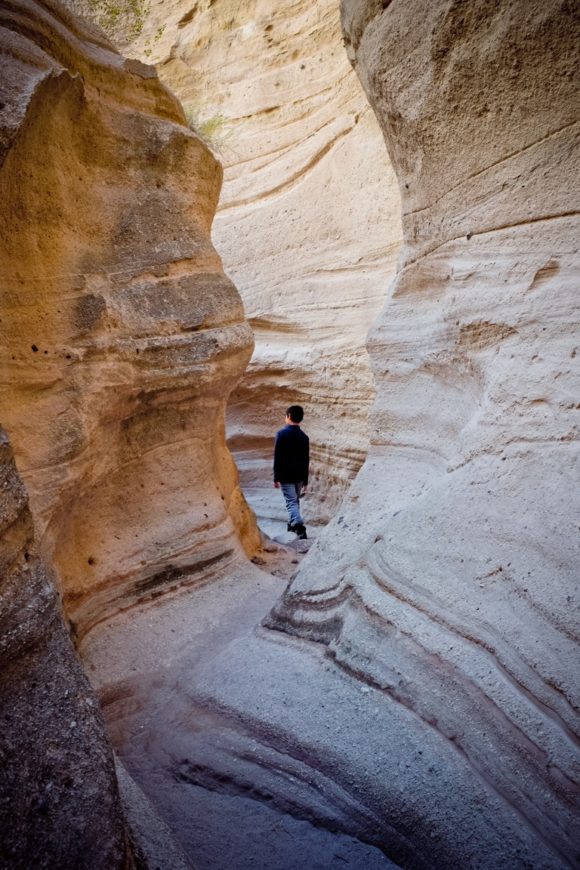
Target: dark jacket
column 291, row 455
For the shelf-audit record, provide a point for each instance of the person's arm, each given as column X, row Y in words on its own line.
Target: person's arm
column 305, row 487
column 277, row 458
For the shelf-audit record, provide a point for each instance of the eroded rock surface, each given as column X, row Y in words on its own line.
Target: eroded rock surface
column 121, row 337
column 308, row 223
column 449, row 579
column 56, row 766
column 435, row 719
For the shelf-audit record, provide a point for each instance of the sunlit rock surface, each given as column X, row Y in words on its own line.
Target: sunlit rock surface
column 308, row 223
column 56, row 766
column 449, row 579
column 120, row 335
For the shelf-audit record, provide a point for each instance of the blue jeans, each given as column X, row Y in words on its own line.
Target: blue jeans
column 291, row 493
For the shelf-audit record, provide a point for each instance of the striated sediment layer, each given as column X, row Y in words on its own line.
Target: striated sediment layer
column 308, row 223
column 120, row 335
column 56, row 765
column 448, row 581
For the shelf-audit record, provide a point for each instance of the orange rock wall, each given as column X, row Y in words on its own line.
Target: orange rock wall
column 121, row 337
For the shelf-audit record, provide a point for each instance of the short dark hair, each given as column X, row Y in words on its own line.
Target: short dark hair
column 296, row 413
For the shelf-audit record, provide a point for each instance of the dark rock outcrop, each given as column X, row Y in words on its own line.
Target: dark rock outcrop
column 59, row 804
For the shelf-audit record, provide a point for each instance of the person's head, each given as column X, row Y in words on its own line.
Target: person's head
column 295, row 414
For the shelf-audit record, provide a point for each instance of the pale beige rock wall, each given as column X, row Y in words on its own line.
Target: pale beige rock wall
column 449, row 578
column 308, row 223
column 120, row 335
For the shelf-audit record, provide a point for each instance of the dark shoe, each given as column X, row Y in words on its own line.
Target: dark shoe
column 290, row 527
column 300, row 530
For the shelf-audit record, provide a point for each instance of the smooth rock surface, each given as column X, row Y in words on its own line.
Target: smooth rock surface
column 308, row 224
column 120, row 335
column 448, row 581
column 56, row 765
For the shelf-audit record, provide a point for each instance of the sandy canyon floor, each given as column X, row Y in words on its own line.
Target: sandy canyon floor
column 238, row 734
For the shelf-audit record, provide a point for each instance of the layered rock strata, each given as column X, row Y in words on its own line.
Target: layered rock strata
column 121, row 337
column 56, row 766
column 449, row 580
column 308, row 223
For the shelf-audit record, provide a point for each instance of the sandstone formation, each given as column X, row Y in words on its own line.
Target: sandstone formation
column 449, row 579
column 120, row 336
column 434, row 721
column 56, row 766
column 308, row 223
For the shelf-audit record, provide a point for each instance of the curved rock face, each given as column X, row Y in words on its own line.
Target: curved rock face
column 308, row 224
column 121, row 337
column 55, row 762
column 449, row 580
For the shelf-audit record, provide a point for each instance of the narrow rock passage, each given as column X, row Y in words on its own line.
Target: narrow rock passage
column 236, row 792
column 258, row 750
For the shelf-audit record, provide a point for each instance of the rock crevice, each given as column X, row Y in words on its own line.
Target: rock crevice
column 309, row 230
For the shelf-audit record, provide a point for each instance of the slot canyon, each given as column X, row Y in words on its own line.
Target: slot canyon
column 212, row 210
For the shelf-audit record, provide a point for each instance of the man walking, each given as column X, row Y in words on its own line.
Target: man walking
column 291, row 461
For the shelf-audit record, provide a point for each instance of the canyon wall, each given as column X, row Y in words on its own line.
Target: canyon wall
column 448, row 581
column 308, row 223
column 55, row 761
column 120, row 335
